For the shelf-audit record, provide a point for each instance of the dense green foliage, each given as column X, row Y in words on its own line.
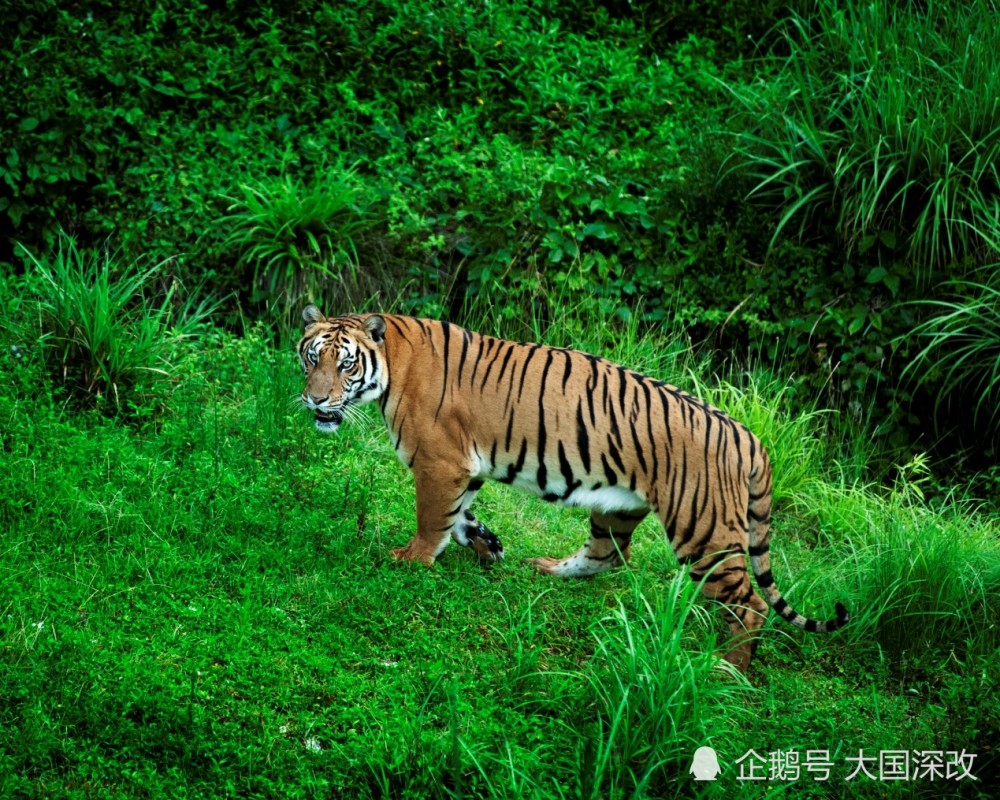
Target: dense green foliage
column 778, row 183
column 195, row 594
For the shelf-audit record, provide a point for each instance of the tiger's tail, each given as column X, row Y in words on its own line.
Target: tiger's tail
column 759, row 521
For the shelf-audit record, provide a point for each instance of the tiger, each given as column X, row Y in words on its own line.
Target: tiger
column 573, row 428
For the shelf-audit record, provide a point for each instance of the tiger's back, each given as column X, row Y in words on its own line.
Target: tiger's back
column 565, row 425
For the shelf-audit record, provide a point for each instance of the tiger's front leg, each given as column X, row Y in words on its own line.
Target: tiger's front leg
column 443, row 499
column 470, row 532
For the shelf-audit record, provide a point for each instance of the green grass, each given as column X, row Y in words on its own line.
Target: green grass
column 879, row 126
column 105, row 325
column 298, row 239
column 204, row 606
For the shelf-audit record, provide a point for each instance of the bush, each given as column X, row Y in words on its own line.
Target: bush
column 957, row 354
column 298, row 241
column 107, row 332
column 881, row 126
column 865, row 145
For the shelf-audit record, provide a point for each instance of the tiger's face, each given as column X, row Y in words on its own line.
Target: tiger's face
column 343, row 363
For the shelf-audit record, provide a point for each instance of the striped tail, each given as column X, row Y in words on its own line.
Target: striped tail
column 759, row 514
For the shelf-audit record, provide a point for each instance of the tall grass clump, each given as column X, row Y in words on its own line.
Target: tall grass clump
column 958, row 345
column 880, row 121
column 296, row 238
column 927, row 577
column 108, row 326
column 659, row 690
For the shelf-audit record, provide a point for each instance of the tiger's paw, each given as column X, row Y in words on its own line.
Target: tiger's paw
column 545, row 565
column 408, row 553
column 487, row 544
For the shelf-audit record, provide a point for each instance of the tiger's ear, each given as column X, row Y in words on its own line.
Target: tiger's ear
column 375, row 326
column 311, row 314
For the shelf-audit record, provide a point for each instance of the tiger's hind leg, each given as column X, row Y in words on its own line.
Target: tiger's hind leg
column 609, row 546
column 724, row 578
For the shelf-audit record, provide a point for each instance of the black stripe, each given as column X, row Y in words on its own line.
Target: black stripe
column 524, row 371
column 736, row 443
column 708, row 435
column 688, row 533
column 503, row 366
column 445, row 329
column 758, row 549
column 608, row 473
column 568, row 370
column 615, row 456
column 765, row 580
column 400, row 329
column 542, row 437
column 466, row 338
column 489, row 367
column 514, row 469
column 631, row 516
column 718, row 575
column 649, row 432
column 613, row 419
column 567, row 471
column 638, row 449
column 488, row 341
column 591, row 386
column 621, row 392
column 582, row 438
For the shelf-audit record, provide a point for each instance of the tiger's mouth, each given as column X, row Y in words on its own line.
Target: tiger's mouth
column 328, row 420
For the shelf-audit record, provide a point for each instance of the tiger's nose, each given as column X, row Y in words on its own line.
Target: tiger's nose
column 316, row 401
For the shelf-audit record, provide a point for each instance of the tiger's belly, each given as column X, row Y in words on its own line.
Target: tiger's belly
column 585, row 492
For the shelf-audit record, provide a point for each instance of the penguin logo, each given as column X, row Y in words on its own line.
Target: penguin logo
column 705, row 765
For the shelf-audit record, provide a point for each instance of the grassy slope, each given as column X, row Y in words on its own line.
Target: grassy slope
column 205, row 607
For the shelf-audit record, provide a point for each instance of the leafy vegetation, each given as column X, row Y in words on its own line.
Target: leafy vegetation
column 756, row 171
column 298, row 241
column 879, row 120
column 960, row 356
column 100, row 332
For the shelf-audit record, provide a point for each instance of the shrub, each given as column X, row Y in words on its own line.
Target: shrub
column 298, row 240
column 958, row 352
column 657, row 697
column 924, row 575
column 107, row 330
column 881, row 125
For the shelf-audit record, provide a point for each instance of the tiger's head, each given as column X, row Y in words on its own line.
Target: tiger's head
column 344, row 363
